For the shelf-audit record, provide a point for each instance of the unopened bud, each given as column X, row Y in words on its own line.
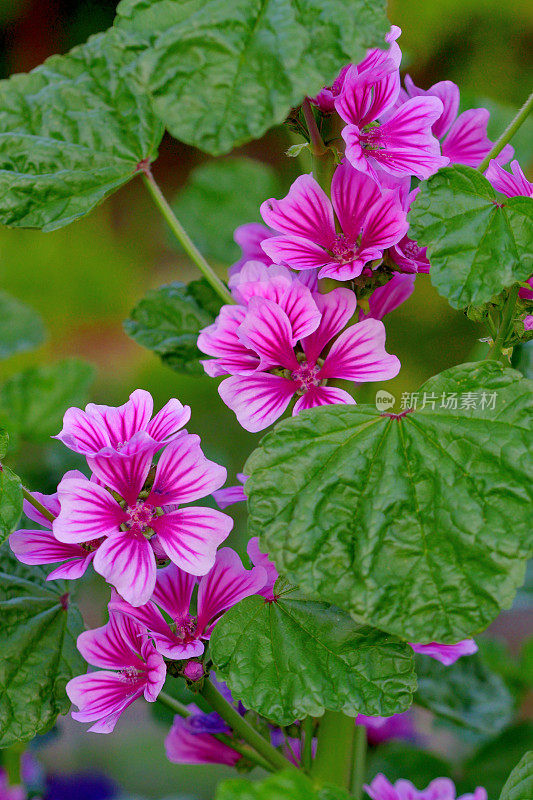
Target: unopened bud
column 193, row 671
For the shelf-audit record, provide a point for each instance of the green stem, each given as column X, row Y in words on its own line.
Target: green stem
column 334, row 750
column 243, row 729
column 323, row 158
column 508, row 133
column 11, row 761
column 495, row 352
column 306, row 743
column 358, row 761
column 182, row 711
column 183, row 237
column 38, row 506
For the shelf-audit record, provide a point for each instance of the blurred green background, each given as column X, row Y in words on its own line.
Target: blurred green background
column 85, row 279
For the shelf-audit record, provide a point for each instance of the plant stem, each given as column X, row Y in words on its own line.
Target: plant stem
column 183, row 237
column 334, row 751
column 323, row 158
column 243, row 729
column 358, row 761
column 306, row 740
column 495, row 352
column 508, row 133
column 38, row 506
column 11, row 760
column 182, row 711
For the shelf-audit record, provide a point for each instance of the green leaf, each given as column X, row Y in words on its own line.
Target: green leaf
column 71, row 132
column 491, row 764
column 221, row 73
column 38, row 646
column 401, row 760
column 21, row 328
column 282, row 786
column 4, row 442
column 477, row 246
column 219, row 196
column 10, row 500
column 418, row 525
column 519, row 785
column 466, row 694
column 32, row 402
column 293, row 657
column 169, row 319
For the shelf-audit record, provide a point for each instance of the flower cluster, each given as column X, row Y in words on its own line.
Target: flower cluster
column 438, row 789
column 289, row 335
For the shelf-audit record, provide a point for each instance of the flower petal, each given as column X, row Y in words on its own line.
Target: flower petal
column 169, row 420
column 305, row 211
column 49, row 501
column 447, row 653
column 226, row 583
column 268, row 332
column 190, row 536
column 87, row 512
column 359, row 355
column 42, row 547
column 258, row 400
column 116, row 645
column 337, row 308
column 173, row 590
column 468, row 143
column 512, row 185
column 448, row 93
column 221, row 340
column 249, row 238
column 184, row 746
column 229, row 496
column 125, row 474
column 123, row 422
column 386, row 298
column 353, row 193
column 260, row 559
column 368, row 89
column 322, row 396
column 184, row 474
column 126, row 560
column 297, row 252
column 82, row 432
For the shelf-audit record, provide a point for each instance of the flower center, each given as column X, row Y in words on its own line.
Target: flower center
column 343, row 249
column 130, row 674
column 184, row 627
column 371, row 138
column 139, row 517
column 306, row 376
column 411, row 248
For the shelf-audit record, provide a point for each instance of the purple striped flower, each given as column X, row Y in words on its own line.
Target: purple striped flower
column 439, row 789
column 371, row 219
column 447, row 653
column 138, row 517
column 129, row 667
column 226, row 583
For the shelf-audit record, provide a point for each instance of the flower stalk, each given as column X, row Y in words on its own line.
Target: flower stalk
column 333, row 762
column 243, row 729
column 508, row 133
column 183, row 237
column 37, row 506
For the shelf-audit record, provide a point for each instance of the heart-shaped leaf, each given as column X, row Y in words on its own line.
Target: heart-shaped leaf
column 221, row 74
column 71, row 132
column 38, row 645
column 519, row 785
column 10, row 497
column 291, row 658
column 476, row 244
column 417, row 523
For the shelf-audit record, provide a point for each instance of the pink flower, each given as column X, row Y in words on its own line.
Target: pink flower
column 383, row 729
column 8, row 792
column 106, row 431
column 226, row 583
column 466, row 141
column 130, row 668
column 402, row 143
column 447, row 653
column 260, row 559
column 255, row 280
column 147, row 516
column 358, row 354
column 528, row 323
column 192, row 740
column 406, row 254
column 370, row 221
column 249, row 238
column 512, row 184
column 386, row 298
column 439, row 789
column 325, row 99
column 231, row 494
column 42, row 547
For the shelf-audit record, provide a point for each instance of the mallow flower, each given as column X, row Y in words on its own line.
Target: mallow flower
column 226, row 583
column 34, row 546
column 193, row 740
column 380, row 136
column 129, row 667
column 136, row 511
column 370, row 220
column 290, row 366
column 231, row 494
column 439, row 789
column 511, row 184
column 464, row 136
column 249, row 238
column 388, row 297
